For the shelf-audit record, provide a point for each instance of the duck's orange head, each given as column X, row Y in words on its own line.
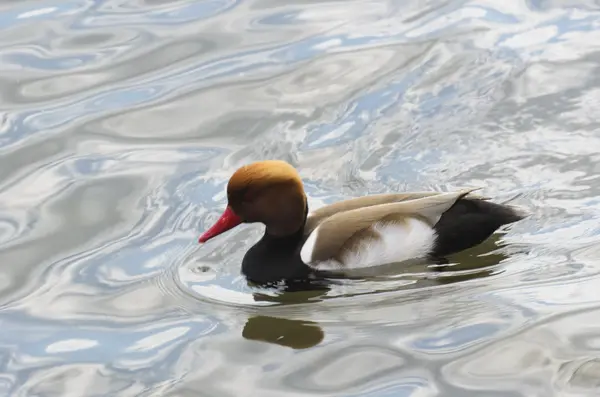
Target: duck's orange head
column 270, row 192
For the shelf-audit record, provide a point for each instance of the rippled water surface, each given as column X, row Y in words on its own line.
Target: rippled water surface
column 121, row 121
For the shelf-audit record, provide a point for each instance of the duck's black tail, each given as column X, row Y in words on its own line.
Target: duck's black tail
column 469, row 222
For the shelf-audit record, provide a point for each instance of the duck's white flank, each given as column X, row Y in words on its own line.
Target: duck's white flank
column 398, row 242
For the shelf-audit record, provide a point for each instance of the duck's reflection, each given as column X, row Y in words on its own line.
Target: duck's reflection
column 477, row 262
column 293, row 293
column 296, row 334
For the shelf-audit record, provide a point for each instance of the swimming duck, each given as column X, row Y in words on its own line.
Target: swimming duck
column 355, row 233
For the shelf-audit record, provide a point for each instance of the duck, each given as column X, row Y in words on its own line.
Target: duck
column 360, row 232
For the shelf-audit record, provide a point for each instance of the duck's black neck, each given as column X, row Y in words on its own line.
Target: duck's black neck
column 290, row 238
column 276, row 258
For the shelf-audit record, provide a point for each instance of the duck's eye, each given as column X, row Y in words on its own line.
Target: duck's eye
column 249, row 195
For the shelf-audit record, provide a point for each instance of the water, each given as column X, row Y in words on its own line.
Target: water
column 121, row 121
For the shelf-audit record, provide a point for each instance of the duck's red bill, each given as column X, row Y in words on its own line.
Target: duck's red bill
column 228, row 220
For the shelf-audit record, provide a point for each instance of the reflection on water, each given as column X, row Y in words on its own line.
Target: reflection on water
column 120, row 123
column 291, row 333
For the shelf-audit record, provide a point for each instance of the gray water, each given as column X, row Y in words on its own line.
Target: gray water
column 121, row 122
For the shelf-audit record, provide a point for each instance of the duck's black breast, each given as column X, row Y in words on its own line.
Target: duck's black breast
column 468, row 223
column 273, row 259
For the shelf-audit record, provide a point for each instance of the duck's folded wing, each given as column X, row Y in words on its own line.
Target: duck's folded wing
column 333, row 231
column 319, row 215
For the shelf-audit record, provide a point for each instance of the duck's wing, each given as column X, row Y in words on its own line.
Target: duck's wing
column 332, row 226
column 319, row 215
